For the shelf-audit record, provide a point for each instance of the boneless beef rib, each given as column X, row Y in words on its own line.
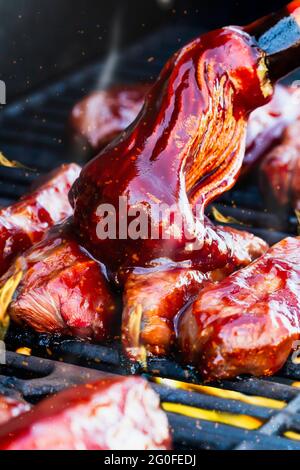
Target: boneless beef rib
column 101, row 116
column 112, row 414
column 63, row 290
column 24, row 223
column 246, row 324
column 280, row 171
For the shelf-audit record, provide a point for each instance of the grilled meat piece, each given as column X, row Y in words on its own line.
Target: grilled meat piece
column 151, row 303
column 25, row 223
column 185, row 148
column 101, row 116
column 112, row 414
column 280, row 171
column 180, row 152
column 246, row 323
column 11, row 408
column 63, row 290
column 267, row 124
column 152, row 300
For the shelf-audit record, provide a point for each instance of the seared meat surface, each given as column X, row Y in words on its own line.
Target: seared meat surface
column 139, row 209
column 112, row 414
column 152, row 300
column 101, row 116
column 11, row 408
column 185, row 148
column 246, row 323
column 63, row 290
column 280, row 171
column 267, row 124
column 25, row 223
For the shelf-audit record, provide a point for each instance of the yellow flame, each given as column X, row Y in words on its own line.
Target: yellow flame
column 7, row 291
column 134, row 327
column 297, row 212
column 24, row 351
column 239, row 421
column 10, row 163
column 292, row 435
column 296, row 384
column 296, row 359
column 263, row 75
column 223, row 393
column 223, row 219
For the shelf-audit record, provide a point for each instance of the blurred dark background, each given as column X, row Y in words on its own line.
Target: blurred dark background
column 43, row 39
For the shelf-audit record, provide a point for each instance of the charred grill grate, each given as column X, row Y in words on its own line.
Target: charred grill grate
column 273, row 424
column 248, row 413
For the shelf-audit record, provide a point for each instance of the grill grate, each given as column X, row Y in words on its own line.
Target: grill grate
column 34, row 378
column 260, row 413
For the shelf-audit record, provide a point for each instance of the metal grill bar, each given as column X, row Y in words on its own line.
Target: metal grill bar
column 52, row 376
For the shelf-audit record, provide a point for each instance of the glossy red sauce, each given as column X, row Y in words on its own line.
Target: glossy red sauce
column 185, row 148
column 246, row 323
column 115, row 413
column 100, row 117
column 63, row 290
column 26, row 222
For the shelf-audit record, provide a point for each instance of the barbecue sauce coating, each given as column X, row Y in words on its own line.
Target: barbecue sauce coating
column 63, row 290
column 185, row 148
column 153, row 300
column 267, row 125
column 100, row 117
column 280, row 170
column 11, row 408
column 112, row 414
column 246, row 324
column 24, row 223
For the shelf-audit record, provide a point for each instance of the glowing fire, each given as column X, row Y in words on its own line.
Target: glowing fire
column 7, row 291
column 292, row 435
column 223, row 393
column 10, row 163
column 237, row 420
column 240, row 421
column 24, row 351
column 223, row 219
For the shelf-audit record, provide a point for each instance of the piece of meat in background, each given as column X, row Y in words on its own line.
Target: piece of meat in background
column 63, row 290
column 100, row 117
column 267, row 124
column 25, row 223
column 116, row 413
column 280, row 171
column 11, row 408
column 247, row 323
column 153, row 300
